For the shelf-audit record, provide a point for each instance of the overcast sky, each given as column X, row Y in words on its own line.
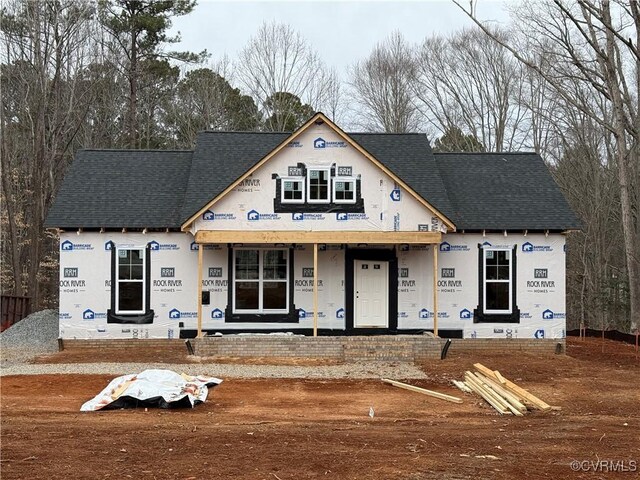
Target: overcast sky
column 341, row 31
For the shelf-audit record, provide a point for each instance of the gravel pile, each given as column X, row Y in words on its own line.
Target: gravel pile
column 33, row 335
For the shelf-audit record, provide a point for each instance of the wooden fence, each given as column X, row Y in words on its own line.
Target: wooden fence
column 13, row 309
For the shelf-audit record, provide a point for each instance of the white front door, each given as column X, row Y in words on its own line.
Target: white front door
column 372, row 294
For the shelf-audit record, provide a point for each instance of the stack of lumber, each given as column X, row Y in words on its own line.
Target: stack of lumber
column 502, row 394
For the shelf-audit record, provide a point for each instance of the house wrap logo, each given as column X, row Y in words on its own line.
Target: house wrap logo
column 424, row 313
column 299, row 216
column 447, row 247
column 69, row 246
column 175, row 314
column 340, row 313
column 343, row 217
column 395, row 195
column 210, row 216
column 465, row 314
column 217, row 313
column 254, row 216
column 89, row 314
column 551, row 315
column 155, row 246
column 528, row 247
column 322, row 143
column 302, row 313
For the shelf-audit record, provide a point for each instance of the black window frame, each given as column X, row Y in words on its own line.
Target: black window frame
column 137, row 318
column 479, row 314
column 290, row 316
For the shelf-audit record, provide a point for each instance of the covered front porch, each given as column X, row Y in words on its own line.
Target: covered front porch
column 368, row 278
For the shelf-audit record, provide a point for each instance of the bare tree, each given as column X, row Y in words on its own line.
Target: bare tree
column 466, row 81
column 277, row 66
column 592, row 50
column 382, row 87
column 43, row 106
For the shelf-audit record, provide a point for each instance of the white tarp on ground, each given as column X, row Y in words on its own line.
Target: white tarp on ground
column 152, row 388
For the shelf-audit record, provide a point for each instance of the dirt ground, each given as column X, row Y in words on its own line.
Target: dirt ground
column 294, row 429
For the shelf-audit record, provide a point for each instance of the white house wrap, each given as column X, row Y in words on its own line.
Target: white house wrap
column 378, row 209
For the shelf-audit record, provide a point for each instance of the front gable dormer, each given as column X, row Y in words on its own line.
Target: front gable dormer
column 319, row 179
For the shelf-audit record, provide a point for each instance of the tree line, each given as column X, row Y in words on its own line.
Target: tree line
column 560, row 79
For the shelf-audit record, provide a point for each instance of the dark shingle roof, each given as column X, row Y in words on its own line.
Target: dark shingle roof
column 496, row 191
column 410, row 158
column 158, row 189
column 122, row 188
column 219, row 159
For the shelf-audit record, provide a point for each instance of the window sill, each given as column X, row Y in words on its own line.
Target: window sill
column 481, row 317
column 141, row 319
column 289, row 317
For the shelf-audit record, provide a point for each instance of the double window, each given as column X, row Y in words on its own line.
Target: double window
column 260, row 280
column 130, row 281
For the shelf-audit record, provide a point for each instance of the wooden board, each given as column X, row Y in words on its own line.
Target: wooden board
column 504, row 393
column 476, row 386
column 521, row 392
column 424, row 391
column 336, row 237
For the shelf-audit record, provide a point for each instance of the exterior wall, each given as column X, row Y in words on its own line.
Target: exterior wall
column 85, row 284
column 85, row 272
column 541, row 300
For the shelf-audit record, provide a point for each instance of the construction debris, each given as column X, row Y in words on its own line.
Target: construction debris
column 424, row 391
column 502, row 394
column 462, row 386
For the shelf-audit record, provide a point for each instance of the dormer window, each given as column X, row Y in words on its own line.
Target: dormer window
column 318, row 182
column 293, row 190
column 344, row 190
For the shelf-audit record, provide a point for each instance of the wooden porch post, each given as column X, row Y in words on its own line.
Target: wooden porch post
column 199, row 289
column 315, row 289
column 435, row 289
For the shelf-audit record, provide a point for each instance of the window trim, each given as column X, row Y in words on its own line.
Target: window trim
column 485, row 281
column 335, row 181
column 143, row 281
column 329, row 186
column 260, row 280
column 293, row 179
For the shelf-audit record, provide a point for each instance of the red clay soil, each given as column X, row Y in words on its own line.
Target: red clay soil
column 292, row 429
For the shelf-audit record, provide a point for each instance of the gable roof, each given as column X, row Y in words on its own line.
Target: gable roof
column 503, row 191
column 420, row 156
column 122, row 188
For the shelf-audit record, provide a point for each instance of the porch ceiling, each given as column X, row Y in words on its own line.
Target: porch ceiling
column 242, row 236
